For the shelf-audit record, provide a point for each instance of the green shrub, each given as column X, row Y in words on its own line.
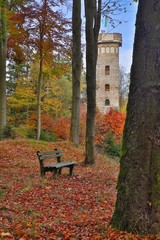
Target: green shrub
column 45, row 135
column 49, row 137
column 8, row 132
column 112, row 147
column 31, row 133
column 21, row 131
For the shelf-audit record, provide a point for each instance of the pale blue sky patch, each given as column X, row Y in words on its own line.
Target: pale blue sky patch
column 128, row 31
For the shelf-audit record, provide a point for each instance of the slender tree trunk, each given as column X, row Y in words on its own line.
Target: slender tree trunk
column 39, row 86
column 39, row 98
column 76, row 71
column 3, row 46
column 138, row 201
column 92, row 31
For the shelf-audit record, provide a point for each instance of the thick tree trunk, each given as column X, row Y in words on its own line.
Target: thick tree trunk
column 76, row 71
column 3, row 47
column 92, row 31
column 138, row 201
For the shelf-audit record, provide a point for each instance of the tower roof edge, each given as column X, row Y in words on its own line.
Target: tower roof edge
column 110, row 38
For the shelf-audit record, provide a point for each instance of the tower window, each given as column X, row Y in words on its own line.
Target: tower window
column 107, row 87
column 107, row 49
column 102, row 50
column 107, row 70
column 112, row 49
column 107, row 102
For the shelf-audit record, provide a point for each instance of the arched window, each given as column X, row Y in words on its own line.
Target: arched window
column 107, row 70
column 107, row 102
column 107, row 87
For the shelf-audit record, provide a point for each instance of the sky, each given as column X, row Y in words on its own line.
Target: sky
column 127, row 29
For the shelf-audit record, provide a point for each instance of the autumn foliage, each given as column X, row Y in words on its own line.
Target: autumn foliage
column 106, row 124
column 112, row 121
column 60, row 126
column 109, row 124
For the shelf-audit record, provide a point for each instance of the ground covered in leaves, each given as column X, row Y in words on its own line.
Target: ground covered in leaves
column 78, row 207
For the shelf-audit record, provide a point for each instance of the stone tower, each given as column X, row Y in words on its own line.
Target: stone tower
column 107, row 89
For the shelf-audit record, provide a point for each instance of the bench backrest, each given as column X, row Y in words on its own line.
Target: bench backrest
column 49, row 155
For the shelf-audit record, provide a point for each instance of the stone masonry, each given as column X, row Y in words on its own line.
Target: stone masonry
column 107, row 89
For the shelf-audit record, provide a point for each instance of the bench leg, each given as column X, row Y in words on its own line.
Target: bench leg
column 59, row 171
column 42, row 173
column 71, row 170
column 55, row 173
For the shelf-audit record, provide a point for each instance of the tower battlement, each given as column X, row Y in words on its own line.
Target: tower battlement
column 110, row 38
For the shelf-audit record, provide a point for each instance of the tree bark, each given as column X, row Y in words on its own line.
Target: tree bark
column 93, row 15
column 138, row 200
column 76, row 71
column 39, row 87
column 3, row 46
column 41, row 53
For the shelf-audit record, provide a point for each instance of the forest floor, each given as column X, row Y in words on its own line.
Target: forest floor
column 78, row 207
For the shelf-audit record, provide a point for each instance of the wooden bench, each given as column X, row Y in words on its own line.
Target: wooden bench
column 55, row 167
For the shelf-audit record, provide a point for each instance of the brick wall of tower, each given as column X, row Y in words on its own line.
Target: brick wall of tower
column 107, row 89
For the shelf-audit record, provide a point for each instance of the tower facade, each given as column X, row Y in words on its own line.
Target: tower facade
column 108, row 75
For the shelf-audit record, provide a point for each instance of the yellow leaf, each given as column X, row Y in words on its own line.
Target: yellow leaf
column 7, row 234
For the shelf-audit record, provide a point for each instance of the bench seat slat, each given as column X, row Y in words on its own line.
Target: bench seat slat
column 61, row 164
column 51, row 152
column 42, row 157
